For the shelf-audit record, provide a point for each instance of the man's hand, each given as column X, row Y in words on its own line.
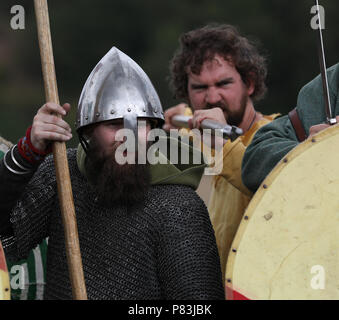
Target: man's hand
column 171, row 112
column 214, row 114
column 48, row 126
column 319, row 127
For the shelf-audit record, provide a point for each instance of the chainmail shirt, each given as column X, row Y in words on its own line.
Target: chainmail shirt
column 163, row 248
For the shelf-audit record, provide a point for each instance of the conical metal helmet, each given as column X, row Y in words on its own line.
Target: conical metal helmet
column 118, row 88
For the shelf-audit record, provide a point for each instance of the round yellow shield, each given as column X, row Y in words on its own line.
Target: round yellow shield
column 287, row 245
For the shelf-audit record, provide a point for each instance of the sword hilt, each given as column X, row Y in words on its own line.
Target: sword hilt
column 228, row 132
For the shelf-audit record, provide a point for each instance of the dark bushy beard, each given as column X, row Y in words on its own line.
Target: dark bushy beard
column 235, row 118
column 125, row 184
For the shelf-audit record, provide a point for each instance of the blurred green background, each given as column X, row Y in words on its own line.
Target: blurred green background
column 148, row 31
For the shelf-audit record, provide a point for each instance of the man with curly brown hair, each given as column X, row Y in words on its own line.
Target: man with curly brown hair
column 220, row 74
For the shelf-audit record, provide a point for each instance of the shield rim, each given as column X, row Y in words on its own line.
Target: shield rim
column 263, row 188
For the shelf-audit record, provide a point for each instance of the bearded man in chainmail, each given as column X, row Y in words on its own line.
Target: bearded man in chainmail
column 143, row 231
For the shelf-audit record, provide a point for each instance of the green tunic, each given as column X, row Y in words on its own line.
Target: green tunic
column 273, row 141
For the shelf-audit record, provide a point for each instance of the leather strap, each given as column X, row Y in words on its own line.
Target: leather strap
column 297, row 125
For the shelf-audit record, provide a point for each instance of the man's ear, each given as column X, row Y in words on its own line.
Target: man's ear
column 250, row 84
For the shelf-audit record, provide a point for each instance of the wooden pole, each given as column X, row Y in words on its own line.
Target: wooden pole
column 60, row 157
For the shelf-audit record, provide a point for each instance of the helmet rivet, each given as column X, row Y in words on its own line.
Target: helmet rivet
column 155, row 110
column 129, row 109
column 112, row 111
column 97, row 114
column 144, row 110
column 86, row 118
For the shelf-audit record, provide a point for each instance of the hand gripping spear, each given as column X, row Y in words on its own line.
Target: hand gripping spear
column 60, row 158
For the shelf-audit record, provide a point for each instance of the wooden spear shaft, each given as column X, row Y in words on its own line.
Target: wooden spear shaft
column 60, row 157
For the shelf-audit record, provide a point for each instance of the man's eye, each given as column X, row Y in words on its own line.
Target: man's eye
column 224, row 83
column 198, row 88
column 114, row 125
